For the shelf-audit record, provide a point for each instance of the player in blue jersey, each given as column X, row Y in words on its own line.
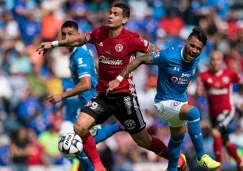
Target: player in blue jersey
column 84, row 83
column 177, row 66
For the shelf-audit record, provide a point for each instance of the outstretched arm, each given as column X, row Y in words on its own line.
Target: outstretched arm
column 83, row 85
column 69, row 42
column 144, row 59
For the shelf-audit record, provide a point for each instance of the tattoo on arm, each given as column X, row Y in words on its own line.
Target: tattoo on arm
column 152, row 48
column 144, row 59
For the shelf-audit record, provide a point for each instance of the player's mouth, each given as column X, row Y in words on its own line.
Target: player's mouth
column 109, row 22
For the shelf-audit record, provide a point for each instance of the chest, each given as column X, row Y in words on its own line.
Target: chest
column 116, row 48
column 223, row 81
column 181, row 71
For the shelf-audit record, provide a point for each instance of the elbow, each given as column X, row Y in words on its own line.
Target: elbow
column 88, row 86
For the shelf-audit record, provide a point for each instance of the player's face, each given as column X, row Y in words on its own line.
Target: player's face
column 216, row 61
column 193, row 48
column 116, row 18
column 69, row 32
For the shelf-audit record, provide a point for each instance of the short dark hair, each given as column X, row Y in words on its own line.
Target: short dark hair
column 199, row 34
column 71, row 24
column 125, row 8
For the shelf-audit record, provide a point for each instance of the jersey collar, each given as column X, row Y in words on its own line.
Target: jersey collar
column 219, row 73
column 74, row 49
column 182, row 55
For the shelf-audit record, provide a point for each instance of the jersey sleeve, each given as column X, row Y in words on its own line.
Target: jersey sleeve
column 159, row 58
column 139, row 44
column 235, row 77
column 90, row 37
column 83, row 65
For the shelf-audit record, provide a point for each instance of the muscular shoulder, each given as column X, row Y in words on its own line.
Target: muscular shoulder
column 100, row 30
column 228, row 71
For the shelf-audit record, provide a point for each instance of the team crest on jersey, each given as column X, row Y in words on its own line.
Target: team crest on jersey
column 130, row 124
column 176, row 103
column 119, row 47
column 225, row 80
column 174, row 79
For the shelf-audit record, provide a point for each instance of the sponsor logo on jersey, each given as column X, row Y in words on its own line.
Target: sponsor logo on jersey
column 179, row 80
column 104, row 60
column 156, row 54
column 80, row 61
column 119, row 47
column 130, row 124
column 174, row 79
column 185, row 75
column 215, row 91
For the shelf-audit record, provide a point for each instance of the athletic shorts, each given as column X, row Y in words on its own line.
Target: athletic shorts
column 168, row 110
column 123, row 106
column 223, row 119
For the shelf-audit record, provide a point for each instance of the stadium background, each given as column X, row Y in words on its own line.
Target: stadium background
column 26, row 77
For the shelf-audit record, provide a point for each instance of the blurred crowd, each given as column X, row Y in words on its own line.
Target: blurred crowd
column 30, row 123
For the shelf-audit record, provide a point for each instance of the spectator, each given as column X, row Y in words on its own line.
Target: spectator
column 20, row 150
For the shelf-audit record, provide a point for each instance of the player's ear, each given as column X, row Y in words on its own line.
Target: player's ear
column 124, row 21
column 185, row 42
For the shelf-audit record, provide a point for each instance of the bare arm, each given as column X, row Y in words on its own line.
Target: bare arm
column 83, row 85
column 69, row 42
column 72, row 41
column 144, row 59
column 152, row 48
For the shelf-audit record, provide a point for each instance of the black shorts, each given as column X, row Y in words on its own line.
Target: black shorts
column 123, row 106
column 223, row 119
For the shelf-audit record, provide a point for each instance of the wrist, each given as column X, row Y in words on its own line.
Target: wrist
column 55, row 43
column 119, row 78
column 63, row 96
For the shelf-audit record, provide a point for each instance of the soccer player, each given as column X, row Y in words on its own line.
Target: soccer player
column 72, row 105
column 177, row 67
column 217, row 83
column 116, row 47
column 84, row 83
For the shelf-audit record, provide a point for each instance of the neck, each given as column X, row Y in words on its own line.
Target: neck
column 114, row 32
column 184, row 56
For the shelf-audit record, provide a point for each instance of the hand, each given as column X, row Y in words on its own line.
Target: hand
column 44, row 47
column 113, row 85
column 55, row 98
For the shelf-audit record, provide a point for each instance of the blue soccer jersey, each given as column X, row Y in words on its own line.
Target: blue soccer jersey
column 82, row 65
column 72, row 104
column 174, row 74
